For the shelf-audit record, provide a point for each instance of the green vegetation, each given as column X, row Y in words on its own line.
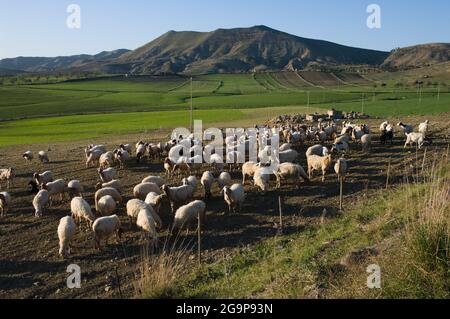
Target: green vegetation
column 408, row 226
column 38, row 113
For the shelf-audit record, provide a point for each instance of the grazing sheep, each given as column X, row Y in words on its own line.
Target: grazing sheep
column 289, row 156
column 235, row 158
column 216, row 162
column 341, row 168
column 155, row 180
column 366, row 140
column 107, row 175
column 248, row 169
column 7, row 175
column 93, row 157
column 142, row 190
column 95, row 148
column 141, row 148
column 383, row 126
column 289, row 170
column 207, row 181
column 343, row 138
column 66, row 231
column 81, row 210
column 261, row 179
column 106, row 206
column 43, row 157
column 126, row 147
column 417, row 139
column 423, row 127
column 106, row 160
column 117, row 184
column 191, row 180
column 178, row 195
column 224, row 179
column 234, row 196
column 55, row 188
column 168, row 167
column 28, row 156
column 104, row 228
column 5, row 200
column 155, row 201
column 40, row 201
column 43, row 178
column 146, row 222
column 114, row 193
column 318, row 150
column 317, row 163
column 122, row 157
column 407, row 129
column 341, row 147
column 134, row 206
column 387, row 135
column 187, row 214
column 75, row 189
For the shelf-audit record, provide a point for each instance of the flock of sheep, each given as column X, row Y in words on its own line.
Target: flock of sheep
column 144, row 209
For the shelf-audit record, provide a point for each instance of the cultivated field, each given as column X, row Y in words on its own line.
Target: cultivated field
column 31, row 267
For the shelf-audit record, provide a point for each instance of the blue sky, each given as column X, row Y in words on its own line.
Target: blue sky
column 38, row 27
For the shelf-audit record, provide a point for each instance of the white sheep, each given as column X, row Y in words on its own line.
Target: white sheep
column 187, row 214
column 141, row 149
column 28, row 156
column 106, row 206
column 134, row 206
column 81, row 210
column 423, row 127
column 5, row 200
column 366, row 140
column 319, row 163
column 341, row 147
column 66, row 232
column 40, row 201
column 341, row 168
column 104, row 228
column 248, row 169
column 43, row 157
column 75, row 188
column 234, row 196
column 142, row 190
column 417, row 139
column 117, row 184
column 290, row 170
column 207, row 181
column 155, row 180
column 146, row 222
column 106, row 160
column 55, row 188
column 93, row 156
column 261, row 179
column 155, row 201
column 168, row 167
column 126, row 147
column 224, row 179
column 7, row 175
column 289, row 156
column 318, row 150
column 107, row 175
column 122, row 157
column 114, row 193
column 178, row 195
column 191, row 180
column 43, row 178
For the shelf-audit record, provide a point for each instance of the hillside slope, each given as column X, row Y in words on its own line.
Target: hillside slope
column 418, row 56
column 240, row 50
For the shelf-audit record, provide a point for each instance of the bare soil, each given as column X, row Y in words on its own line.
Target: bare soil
column 31, row 268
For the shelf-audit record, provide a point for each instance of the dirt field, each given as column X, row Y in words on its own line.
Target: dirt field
column 29, row 262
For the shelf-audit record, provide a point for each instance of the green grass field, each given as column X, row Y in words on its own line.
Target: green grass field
column 74, row 109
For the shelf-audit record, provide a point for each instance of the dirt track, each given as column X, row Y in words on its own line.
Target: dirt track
column 29, row 263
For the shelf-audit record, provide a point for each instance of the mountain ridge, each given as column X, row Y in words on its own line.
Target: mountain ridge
column 237, row 50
